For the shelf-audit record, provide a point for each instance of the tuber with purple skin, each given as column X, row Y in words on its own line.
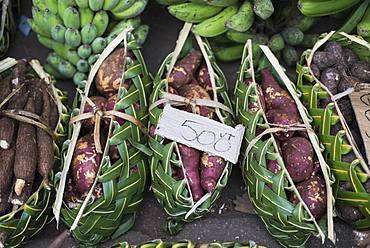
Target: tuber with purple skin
column 100, row 102
column 298, row 158
column 184, row 70
column 204, row 78
column 194, row 91
column 190, row 161
column 284, row 118
column 211, row 170
column 274, row 166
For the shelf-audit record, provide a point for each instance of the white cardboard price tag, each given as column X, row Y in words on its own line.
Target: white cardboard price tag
column 361, row 105
column 201, row 133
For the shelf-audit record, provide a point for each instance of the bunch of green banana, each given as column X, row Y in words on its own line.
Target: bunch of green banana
column 79, row 30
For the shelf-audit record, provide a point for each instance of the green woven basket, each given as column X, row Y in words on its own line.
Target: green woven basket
column 31, row 217
column 291, row 224
column 123, row 186
column 356, row 172
column 188, row 244
column 173, row 194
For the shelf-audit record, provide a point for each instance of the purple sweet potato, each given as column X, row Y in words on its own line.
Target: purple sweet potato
column 184, row 69
column 298, row 158
column 190, row 161
column 109, row 75
column 273, row 166
column 85, row 163
column 275, row 96
column 253, row 106
column 193, row 91
column 313, row 193
column 211, row 170
column 100, row 102
column 282, row 117
column 203, row 78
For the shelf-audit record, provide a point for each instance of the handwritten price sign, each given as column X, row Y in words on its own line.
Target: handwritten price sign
column 201, row 133
column 361, row 106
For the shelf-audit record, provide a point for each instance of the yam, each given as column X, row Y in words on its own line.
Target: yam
column 313, row 193
column 190, row 161
column 347, row 82
column 6, row 172
column 349, row 214
column 349, row 57
column 283, row 118
column 5, row 88
column 109, row 75
column 315, row 70
column 211, row 170
column 193, row 91
column 85, row 163
column 335, row 48
column 19, row 200
column 361, row 70
column 100, row 102
column 204, row 78
column 345, row 107
column 26, row 152
column 324, row 60
column 184, row 69
column 330, row 77
column 297, row 153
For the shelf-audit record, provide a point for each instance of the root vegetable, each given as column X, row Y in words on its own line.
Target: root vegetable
column 3, row 238
column 347, row 82
column 54, row 113
column 6, row 175
column 4, row 204
column 273, row 166
column 282, row 117
column 315, row 70
column 275, row 96
column 323, row 59
column 330, row 77
column 109, row 75
column 204, row 79
column 184, row 69
column 193, row 91
column 26, row 152
column 335, row 48
column 190, row 161
column 349, row 214
column 21, row 199
column 313, row 193
column 71, row 195
column 5, row 88
column 85, row 163
column 349, row 57
column 100, row 102
column 211, row 170
column 345, row 107
column 361, row 70
column 253, row 106
column 298, row 158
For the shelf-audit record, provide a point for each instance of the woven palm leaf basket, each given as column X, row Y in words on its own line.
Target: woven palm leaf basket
column 105, row 165
column 181, row 201
column 188, row 244
column 280, row 160
column 25, row 214
column 333, row 118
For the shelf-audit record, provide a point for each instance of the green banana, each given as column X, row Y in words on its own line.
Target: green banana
column 66, row 69
column 73, row 56
column 82, row 4
column 93, row 58
column 136, row 9
column 363, row 28
column 40, row 4
column 325, row 7
column 263, row 8
column 221, row 3
column 123, row 5
column 239, row 37
column 61, row 49
column 110, row 4
column 58, row 33
column 51, row 19
column 215, row 25
column 101, row 21
column 45, row 41
column 88, row 33
column 86, row 16
column 276, row 43
column 52, row 5
column 71, row 18
column 96, row 5
column 79, row 78
column 82, row 66
column 37, row 29
column 141, row 33
column 98, row 45
column 242, row 20
column 54, row 59
column 124, row 24
column 52, row 71
column 39, row 20
column 63, row 5
column 355, row 18
column 170, row 2
column 192, row 12
column 221, row 39
column 84, row 51
column 228, row 54
column 72, row 37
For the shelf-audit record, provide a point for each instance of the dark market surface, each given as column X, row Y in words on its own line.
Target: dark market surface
column 223, row 223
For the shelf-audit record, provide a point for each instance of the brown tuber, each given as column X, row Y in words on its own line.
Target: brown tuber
column 193, row 91
column 204, row 78
column 211, row 170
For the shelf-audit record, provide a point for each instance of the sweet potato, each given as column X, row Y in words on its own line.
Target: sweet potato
column 282, row 117
column 109, row 75
column 110, row 105
column 71, row 195
column 273, row 166
column 298, row 158
column 190, row 161
column 361, row 70
column 184, row 69
column 324, row 60
column 203, row 78
column 85, row 163
column 26, row 152
column 211, row 170
column 100, row 103
column 253, row 106
column 193, row 91
column 330, row 77
column 275, row 96
column 313, row 193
